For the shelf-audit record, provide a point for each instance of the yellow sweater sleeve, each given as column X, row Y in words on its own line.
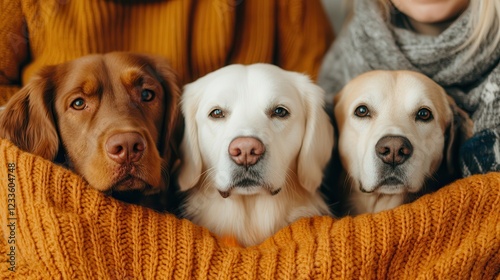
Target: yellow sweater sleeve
column 196, row 36
column 302, row 40
column 13, row 48
column 54, row 226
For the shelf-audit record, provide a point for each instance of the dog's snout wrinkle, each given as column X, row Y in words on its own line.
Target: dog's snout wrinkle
column 246, row 151
column 125, row 147
column 394, row 150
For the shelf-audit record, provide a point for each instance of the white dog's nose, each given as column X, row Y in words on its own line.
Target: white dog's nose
column 246, row 150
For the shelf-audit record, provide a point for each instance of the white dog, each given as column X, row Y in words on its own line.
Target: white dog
column 255, row 144
column 395, row 128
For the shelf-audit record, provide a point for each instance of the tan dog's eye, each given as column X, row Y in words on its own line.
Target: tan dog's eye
column 362, row 111
column 147, row 95
column 217, row 114
column 424, row 114
column 78, row 104
column 280, row 112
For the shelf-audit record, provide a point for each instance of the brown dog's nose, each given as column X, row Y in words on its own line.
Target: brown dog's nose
column 246, row 150
column 125, row 147
column 394, row 150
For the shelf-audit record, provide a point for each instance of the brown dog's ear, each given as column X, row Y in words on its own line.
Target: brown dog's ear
column 171, row 133
column 459, row 129
column 28, row 119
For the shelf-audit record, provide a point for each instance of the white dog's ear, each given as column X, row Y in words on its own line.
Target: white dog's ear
column 190, row 169
column 318, row 140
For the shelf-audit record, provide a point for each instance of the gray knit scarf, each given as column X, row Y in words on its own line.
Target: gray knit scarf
column 369, row 42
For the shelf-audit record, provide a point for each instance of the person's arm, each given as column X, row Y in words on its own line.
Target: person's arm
column 13, row 48
column 481, row 153
column 304, row 35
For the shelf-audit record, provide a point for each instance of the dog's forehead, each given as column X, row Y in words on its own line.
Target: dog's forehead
column 394, row 93
column 256, row 83
column 75, row 74
column 415, row 90
column 103, row 70
column 401, row 89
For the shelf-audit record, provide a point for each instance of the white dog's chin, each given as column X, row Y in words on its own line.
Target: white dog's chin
column 248, row 190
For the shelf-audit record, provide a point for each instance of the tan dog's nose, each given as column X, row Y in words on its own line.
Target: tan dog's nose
column 394, row 150
column 125, row 147
column 246, row 150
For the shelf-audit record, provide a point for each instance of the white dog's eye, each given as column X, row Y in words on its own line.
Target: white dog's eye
column 362, row 111
column 280, row 112
column 424, row 114
column 217, row 114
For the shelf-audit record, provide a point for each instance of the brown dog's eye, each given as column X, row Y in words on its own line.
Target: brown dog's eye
column 362, row 111
column 280, row 112
column 147, row 95
column 78, row 104
column 424, row 114
column 217, row 114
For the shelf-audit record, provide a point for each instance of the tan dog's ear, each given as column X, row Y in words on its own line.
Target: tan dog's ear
column 337, row 114
column 459, row 129
column 191, row 164
column 28, row 119
column 336, row 98
column 318, row 140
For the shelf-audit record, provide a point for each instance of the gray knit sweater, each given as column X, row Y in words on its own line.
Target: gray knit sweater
column 370, row 43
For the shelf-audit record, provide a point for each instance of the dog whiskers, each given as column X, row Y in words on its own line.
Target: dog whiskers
column 205, row 184
column 348, row 181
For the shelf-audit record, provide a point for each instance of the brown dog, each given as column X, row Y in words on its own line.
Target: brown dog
column 397, row 130
column 108, row 117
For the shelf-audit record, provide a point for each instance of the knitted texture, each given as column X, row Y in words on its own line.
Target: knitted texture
column 66, row 230
column 196, row 36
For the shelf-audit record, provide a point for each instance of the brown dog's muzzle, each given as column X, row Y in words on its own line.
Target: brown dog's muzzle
column 126, row 147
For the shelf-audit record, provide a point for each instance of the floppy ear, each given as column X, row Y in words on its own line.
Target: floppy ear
column 459, row 129
column 171, row 133
column 28, row 120
column 337, row 113
column 336, row 98
column 318, row 140
column 191, row 164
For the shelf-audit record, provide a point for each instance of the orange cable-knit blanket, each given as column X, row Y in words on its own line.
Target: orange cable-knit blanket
column 56, row 226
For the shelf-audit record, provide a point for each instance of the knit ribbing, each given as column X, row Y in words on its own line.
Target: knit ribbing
column 65, row 229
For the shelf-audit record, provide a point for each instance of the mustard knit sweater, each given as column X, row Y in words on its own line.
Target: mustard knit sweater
column 56, row 227
column 197, row 36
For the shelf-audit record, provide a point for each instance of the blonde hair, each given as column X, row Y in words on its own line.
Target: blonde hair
column 484, row 20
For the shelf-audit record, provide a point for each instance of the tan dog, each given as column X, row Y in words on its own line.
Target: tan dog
column 108, row 117
column 396, row 128
column 255, row 145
